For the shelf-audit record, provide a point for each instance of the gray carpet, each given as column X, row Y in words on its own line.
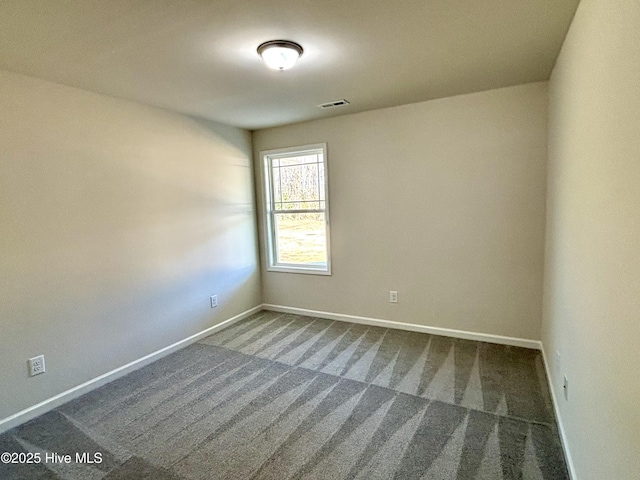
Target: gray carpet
column 281, row 396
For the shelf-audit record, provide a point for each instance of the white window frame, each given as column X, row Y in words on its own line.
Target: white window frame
column 267, row 157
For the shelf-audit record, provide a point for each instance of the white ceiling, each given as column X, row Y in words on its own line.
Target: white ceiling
column 199, row 56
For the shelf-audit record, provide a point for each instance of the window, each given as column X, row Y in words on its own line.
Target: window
column 297, row 209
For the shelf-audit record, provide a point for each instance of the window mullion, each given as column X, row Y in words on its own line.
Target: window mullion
column 314, row 210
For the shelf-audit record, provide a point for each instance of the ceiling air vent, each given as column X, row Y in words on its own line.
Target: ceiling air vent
column 335, row 103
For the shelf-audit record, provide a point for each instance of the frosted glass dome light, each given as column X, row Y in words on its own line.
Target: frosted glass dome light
column 280, row 54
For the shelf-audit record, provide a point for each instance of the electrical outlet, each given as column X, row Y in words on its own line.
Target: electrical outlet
column 393, row 296
column 36, row 365
column 214, row 301
column 565, row 387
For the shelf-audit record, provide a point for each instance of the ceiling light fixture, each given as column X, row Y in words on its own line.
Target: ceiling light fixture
column 280, row 54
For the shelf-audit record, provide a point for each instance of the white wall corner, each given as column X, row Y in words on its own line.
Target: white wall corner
column 554, row 399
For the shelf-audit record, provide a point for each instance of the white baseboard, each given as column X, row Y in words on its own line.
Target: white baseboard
column 563, row 438
column 447, row 332
column 75, row 392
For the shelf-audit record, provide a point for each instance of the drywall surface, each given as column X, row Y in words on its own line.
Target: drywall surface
column 592, row 271
column 117, row 222
column 443, row 201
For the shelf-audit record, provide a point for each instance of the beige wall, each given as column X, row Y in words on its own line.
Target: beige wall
column 443, row 201
column 592, row 272
column 117, row 222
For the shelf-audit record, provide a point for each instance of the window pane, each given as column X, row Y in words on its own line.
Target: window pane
column 298, row 182
column 301, row 238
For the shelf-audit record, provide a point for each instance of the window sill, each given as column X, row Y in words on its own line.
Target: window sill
column 294, row 269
